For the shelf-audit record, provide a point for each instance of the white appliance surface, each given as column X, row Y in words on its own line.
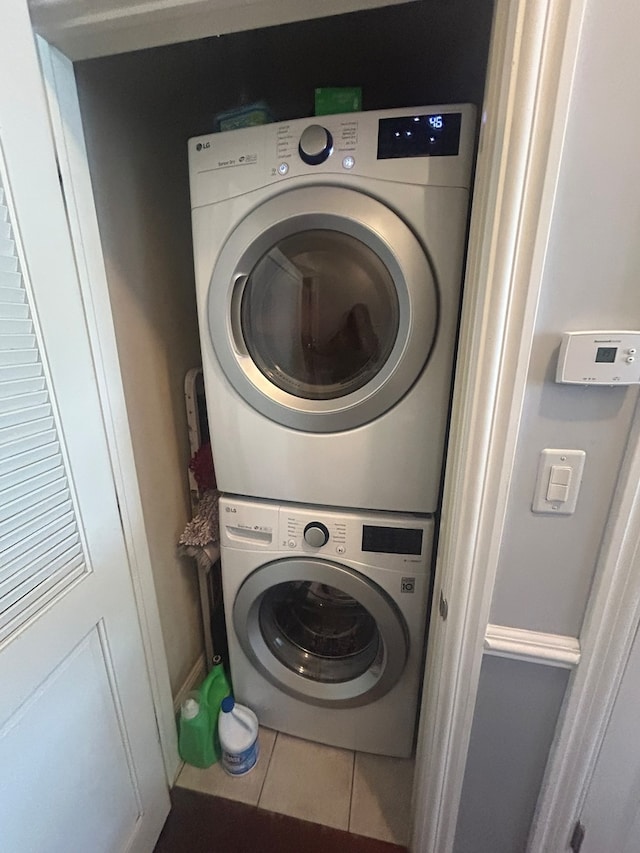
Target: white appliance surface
column 259, row 541
column 379, row 446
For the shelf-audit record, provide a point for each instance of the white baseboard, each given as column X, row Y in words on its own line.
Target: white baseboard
column 195, row 676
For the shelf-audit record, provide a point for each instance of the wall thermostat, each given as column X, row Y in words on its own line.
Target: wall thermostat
column 599, row 358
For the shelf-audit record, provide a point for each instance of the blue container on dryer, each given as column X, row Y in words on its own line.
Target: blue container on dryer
column 238, row 733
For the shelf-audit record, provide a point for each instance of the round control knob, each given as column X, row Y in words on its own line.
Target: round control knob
column 316, row 534
column 316, row 143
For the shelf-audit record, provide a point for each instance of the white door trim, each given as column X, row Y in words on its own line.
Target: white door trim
column 141, row 24
column 612, row 619
column 529, row 82
column 66, row 121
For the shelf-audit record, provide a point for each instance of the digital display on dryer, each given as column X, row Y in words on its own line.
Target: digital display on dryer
column 391, row 540
column 433, row 135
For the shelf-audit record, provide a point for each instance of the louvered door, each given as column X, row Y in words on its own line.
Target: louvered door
column 80, row 760
column 40, row 546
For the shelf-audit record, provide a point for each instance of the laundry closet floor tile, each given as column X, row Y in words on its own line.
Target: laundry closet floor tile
column 244, row 789
column 381, row 798
column 309, row 781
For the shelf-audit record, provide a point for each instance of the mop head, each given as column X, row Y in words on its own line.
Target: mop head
column 203, row 529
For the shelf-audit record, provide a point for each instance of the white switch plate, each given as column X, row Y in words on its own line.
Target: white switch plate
column 573, row 459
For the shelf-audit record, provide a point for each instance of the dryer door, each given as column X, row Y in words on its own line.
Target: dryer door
column 323, row 308
column 321, row 632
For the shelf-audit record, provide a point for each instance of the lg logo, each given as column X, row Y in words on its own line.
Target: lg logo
column 202, row 145
column 230, row 509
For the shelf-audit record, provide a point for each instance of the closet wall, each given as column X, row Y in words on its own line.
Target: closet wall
column 138, row 110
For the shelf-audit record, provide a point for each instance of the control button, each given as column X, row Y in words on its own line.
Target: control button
column 316, row 144
column 348, row 162
column 283, row 168
column 559, row 482
column 340, row 549
column 630, row 359
column 632, row 351
column 292, row 543
column 316, row 534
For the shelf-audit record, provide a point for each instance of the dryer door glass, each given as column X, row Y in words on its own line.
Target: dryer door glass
column 318, row 631
column 323, row 309
column 320, row 314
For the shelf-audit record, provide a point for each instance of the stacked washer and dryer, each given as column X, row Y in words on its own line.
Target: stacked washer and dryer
column 328, row 265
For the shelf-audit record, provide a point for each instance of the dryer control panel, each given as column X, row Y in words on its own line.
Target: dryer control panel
column 418, row 145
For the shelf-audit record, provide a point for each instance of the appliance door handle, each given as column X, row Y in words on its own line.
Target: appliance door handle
column 235, row 315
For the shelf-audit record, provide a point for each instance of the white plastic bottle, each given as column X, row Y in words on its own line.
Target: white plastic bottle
column 238, row 732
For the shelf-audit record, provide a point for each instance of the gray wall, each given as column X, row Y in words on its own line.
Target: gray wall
column 590, row 282
column 513, row 726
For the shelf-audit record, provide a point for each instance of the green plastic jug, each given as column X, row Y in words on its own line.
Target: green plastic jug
column 198, row 741
column 195, row 739
column 214, row 689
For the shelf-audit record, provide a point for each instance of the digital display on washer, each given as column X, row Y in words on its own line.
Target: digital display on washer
column 433, row 135
column 391, row 540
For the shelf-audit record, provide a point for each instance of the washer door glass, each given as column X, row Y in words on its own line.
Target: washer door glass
column 320, row 314
column 321, row 631
column 318, row 631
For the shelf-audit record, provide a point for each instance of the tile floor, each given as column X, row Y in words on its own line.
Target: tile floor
column 365, row 794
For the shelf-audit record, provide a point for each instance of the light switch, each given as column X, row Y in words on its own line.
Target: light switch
column 557, row 492
column 558, row 481
column 560, row 475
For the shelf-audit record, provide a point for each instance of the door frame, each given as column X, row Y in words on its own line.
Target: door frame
column 529, row 78
column 71, row 155
column 530, row 74
column 610, row 626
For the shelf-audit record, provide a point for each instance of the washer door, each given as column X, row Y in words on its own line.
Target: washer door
column 322, row 309
column 321, row 632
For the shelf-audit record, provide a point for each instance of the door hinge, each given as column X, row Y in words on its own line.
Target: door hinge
column 444, row 606
column 577, row 837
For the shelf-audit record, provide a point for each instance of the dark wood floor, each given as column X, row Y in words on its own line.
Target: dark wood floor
column 199, row 823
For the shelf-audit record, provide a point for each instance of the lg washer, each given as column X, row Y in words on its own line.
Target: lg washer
column 326, row 616
column 328, row 257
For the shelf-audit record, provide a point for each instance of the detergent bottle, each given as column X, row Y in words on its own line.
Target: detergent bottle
column 213, row 690
column 195, row 739
column 198, row 742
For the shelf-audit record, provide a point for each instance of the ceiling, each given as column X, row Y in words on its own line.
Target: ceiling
column 83, row 29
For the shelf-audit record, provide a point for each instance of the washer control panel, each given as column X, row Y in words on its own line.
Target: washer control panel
column 386, row 540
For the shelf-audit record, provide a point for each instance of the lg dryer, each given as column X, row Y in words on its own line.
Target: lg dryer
column 328, row 263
